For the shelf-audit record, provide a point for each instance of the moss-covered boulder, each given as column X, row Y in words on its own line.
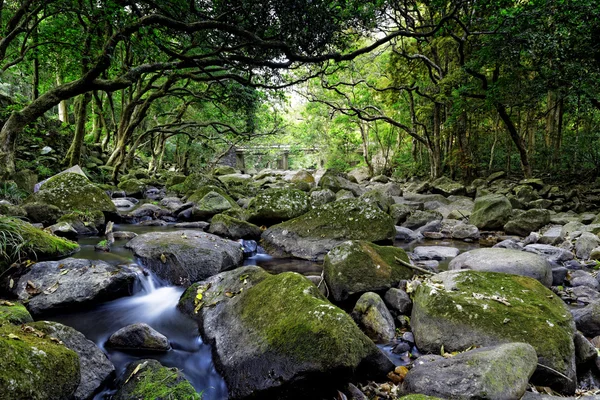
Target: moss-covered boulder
column 335, row 182
column 378, row 199
column 85, row 223
column 233, row 228
column 459, row 309
column 133, row 188
column 14, row 313
column 35, row 368
column 491, row 212
column 73, row 192
column 139, row 336
column 186, row 256
column 154, row 381
column 174, row 180
column 11, row 210
column 359, row 266
column 277, row 336
column 528, row 222
column 373, row 318
column 211, row 204
column 194, row 182
column 220, row 170
column 235, row 180
column 447, row 187
column 276, row 205
column 313, row 234
column 26, row 241
column 42, row 213
column 304, row 177
column 199, row 194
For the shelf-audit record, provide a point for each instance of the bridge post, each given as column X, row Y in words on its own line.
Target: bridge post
column 240, row 162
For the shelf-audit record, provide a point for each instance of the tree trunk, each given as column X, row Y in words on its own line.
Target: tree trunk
column 74, row 153
column 516, row 138
column 63, row 111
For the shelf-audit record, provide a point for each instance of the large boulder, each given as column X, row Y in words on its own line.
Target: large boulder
column 133, row 188
column 35, row 368
column 211, row 204
column 94, row 366
column 149, row 379
column 527, row 222
column 276, row 336
column 498, row 373
column 194, row 182
column 276, row 205
column 460, row 309
column 447, row 187
column 587, row 319
column 507, row 261
column 186, row 256
column 23, row 240
column 373, row 317
column 313, row 234
column 336, row 182
column 139, row 336
column 73, row 192
column 233, row 228
column 359, row 266
column 14, row 313
column 59, row 285
column 491, row 212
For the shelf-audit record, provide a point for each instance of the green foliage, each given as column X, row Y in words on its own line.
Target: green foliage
column 10, row 191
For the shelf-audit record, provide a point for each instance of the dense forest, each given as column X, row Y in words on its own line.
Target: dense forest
column 402, row 87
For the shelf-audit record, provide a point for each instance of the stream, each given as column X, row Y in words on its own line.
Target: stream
column 155, row 302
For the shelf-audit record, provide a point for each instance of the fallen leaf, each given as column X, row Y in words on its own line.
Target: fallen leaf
column 52, row 289
column 163, row 258
column 55, row 340
column 11, row 283
column 6, row 303
column 13, row 336
column 228, row 294
column 136, row 370
column 64, row 271
column 31, row 289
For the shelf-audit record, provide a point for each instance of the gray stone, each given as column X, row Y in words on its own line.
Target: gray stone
column 585, row 244
column 320, row 197
column 139, row 336
column 506, row 261
column 490, row 212
column 465, row 231
column 398, row 301
column 551, row 253
column 186, row 256
column 527, row 222
column 551, row 235
column 587, row 319
column 373, row 317
column 500, row 372
column 585, row 352
column 583, row 278
column 407, row 235
column 211, row 204
column 233, row 228
column 420, row 253
column 418, row 218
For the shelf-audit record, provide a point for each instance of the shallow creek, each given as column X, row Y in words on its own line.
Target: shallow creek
column 155, row 303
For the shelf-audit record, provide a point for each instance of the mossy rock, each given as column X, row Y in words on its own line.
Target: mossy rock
column 276, row 336
column 36, row 244
column 234, row 180
column 528, row 222
column 376, row 198
column 459, row 309
column 232, row 228
column 12, row 210
column 15, row 313
column 211, row 204
column 154, row 381
column 35, row 368
column 133, row 187
column 174, row 180
column 42, row 213
column 418, row 397
column 194, row 182
column 73, row 192
column 224, row 170
column 358, row 266
column 199, row 194
column 304, row 177
column 85, row 223
column 276, row 205
column 313, row 234
column 491, row 212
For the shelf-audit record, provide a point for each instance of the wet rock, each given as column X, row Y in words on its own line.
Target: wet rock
column 320, row 197
column 154, row 381
column 587, row 319
column 94, row 366
column 276, row 205
column 418, row 219
column 499, row 372
column 398, row 301
column 192, row 225
column 459, row 309
column 356, row 267
column 582, row 278
column 275, row 336
column 506, row 261
column 63, row 229
column 139, row 336
column 491, row 212
column 434, row 253
column 559, row 274
column 527, row 222
column 407, row 235
column 551, row 253
column 313, row 234
column 233, row 228
column 70, row 283
column 85, row 224
column 585, row 352
column 147, row 210
column 185, row 256
column 124, row 235
column 373, row 317
column 585, row 244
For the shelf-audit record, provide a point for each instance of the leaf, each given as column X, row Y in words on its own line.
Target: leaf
column 199, row 296
column 52, row 288
column 6, row 303
column 11, row 283
column 136, row 370
column 64, row 271
column 55, row 340
column 31, row 289
column 163, row 258
column 13, row 336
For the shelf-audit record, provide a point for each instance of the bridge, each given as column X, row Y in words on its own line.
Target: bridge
column 282, row 152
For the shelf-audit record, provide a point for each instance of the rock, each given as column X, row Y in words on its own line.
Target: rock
column 35, row 368
column 585, row 352
column 407, row 235
column 183, row 257
column 465, row 231
column 495, row 176
column 434, row 253
column 313, row 234
column 10, row 210
column 276, row 205
column 41, row 213
column 85, row 224
column 192, row 225
column 194, row 182
column 70, row 283
column 587, row 319
column 399, row 212
column 378, row 199
column 582, row 278
column 35, row 243
column 147, row 210
column 506, row 261
column 174, row 180
column 509, row 244
column 276, row 336
column 224, row 170
column 199, row 194
column 374, row 319
column 551, row 235
column 320, row 197
column 154, row 381
column 498, row 372
column 335, row 183
column 361, row 174
column 123, row 203
column 447, row 187
column 490, row 212
column 529, row 221
column 211, row 204
column 551, row 253
column 138, row 336
column 233, row 228
column 304, row 176
column 398, row 301
column 585, row 244
column 559, row 274
column 357, row 266
column 94, row 366
column 233, row 180
column 124, row 235
column 14, row 313
column 133, row 188
column 344, row 194
column 418, row 218
column 459, row 309
column 526, row 193
column 72, row 192
column 63, row 229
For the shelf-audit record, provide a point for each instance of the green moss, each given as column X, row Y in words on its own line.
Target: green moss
column 194, row 182
column 15, row 314
column 292, row 317
column 276, row 205
column 535, row 314
column 360, row 266
column 89, row 217
column 34, row 367
column 345, row 219
column 200, row 193
column 418, row 397
column 132, row 186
